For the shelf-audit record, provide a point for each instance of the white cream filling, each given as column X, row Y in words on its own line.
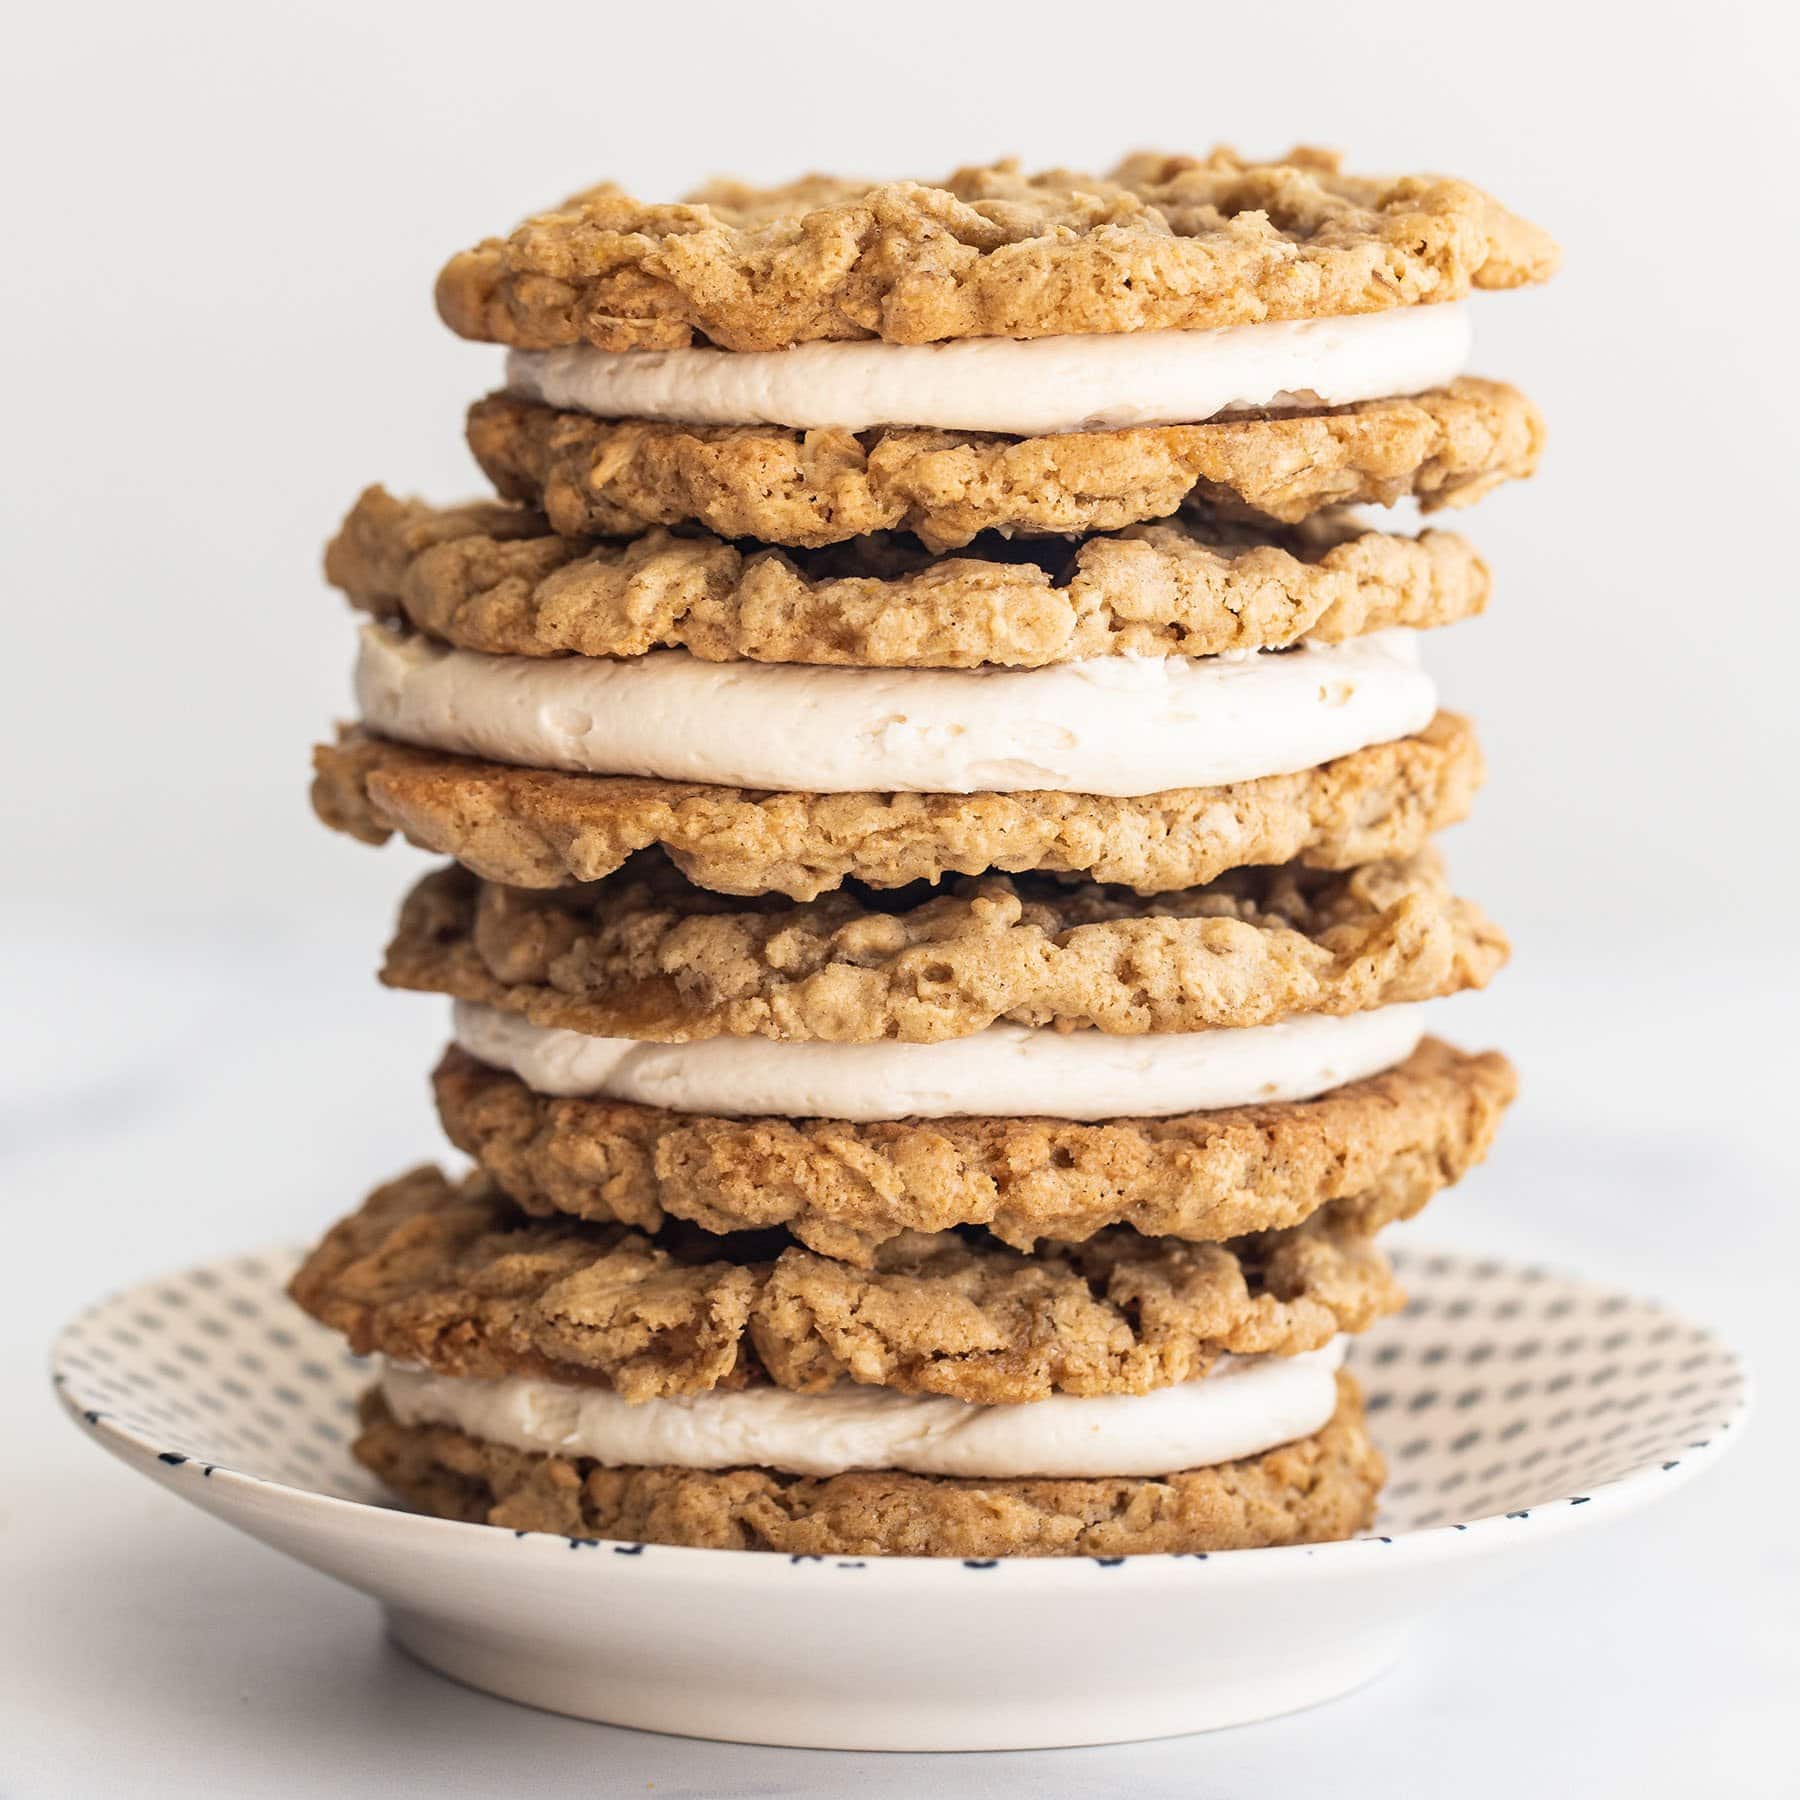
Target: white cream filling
column 1242, row 1407
column 1005, row 1071
column 1116, row 725
column 1023, row 387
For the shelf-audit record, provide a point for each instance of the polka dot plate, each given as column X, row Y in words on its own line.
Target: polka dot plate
column 1513, row 1405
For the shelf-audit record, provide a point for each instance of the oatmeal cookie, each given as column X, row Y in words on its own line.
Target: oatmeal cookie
column 1372, row 1152
column 494, row 578
column 1161, row 242
column 618, row 477
column 457, row 1280
column 646, row 954
column 542, row 828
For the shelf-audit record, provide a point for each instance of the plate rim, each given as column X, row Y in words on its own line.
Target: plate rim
column 1492, row 1531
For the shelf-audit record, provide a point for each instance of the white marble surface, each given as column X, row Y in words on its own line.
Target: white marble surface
column 169, row 1098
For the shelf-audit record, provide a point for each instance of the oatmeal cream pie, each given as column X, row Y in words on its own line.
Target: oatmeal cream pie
column 1034, row 355
column 718, row 1381
column 1142, row 769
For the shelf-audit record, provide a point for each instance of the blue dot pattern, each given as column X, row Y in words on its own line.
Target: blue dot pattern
column 217, row 1368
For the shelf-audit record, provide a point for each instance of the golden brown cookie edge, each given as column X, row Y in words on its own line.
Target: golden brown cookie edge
column 665, row 961
column 493, row 579
column 1160, row 242
column 541, row 828
column 1372, row 1153
column 455, row 1279
column 596, row 477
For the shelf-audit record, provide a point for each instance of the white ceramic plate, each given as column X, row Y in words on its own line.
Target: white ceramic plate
column 1513, row 1405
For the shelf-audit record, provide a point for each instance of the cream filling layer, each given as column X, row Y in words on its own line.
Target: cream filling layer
column 1006, row 1071
column 1114, row 725
column 1242, row 1407
column 1022, row 387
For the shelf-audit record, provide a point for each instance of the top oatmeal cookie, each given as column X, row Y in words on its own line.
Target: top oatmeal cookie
column 1161, row 242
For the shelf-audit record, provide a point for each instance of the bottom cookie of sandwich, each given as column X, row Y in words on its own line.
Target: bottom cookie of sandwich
column 1314, row 1489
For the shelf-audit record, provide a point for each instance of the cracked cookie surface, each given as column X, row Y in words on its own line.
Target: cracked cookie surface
column 458, row 1281
column 616, row 478
column 1161, row 242
column 542, row 828
column 646, row 954
column 1311, row 1491
column 494, row 578
column 1372, row 1152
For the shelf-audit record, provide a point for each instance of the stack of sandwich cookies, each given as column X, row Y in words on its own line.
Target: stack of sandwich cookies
column 944, row 918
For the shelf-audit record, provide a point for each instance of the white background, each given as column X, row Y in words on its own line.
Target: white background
column 222, row 224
